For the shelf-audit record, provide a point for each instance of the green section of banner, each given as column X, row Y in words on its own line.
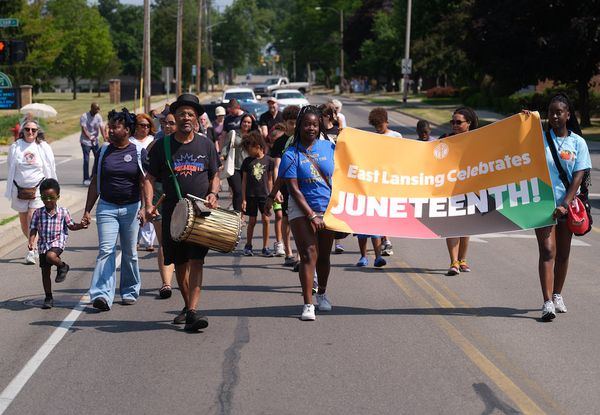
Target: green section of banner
column 532, row 215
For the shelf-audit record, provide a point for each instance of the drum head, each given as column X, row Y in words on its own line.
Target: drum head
column 179, row 220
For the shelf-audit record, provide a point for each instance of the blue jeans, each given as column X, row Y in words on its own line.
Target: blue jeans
column 122, row 221
column 86, row 157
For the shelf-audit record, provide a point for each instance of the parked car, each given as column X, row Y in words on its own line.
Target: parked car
column 240, row 94
column 273, row 84
column 287, row 97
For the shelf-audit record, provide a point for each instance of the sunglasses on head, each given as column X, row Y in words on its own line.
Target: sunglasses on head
column 50, row 198
column 33, row 130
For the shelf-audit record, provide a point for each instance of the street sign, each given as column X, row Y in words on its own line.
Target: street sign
column 9, row 99
column 9, row 22
column 406, row 66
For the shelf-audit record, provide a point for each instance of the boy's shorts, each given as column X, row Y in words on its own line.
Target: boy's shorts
column 277, row 206
column 363, row 236
column 46, row 264
column 255, row 204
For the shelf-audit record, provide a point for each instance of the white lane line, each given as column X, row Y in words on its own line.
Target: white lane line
column 13, row 389
column 64, row 161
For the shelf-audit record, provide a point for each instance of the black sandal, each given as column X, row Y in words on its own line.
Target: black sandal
column 165, row 291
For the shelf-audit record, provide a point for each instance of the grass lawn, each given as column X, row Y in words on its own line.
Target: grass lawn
column 593, row 133
column 437, row 116
column 69, row 110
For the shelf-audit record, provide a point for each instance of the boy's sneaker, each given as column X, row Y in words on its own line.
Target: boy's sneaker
column 248, row 250
column 548, row 311
column 279, row 249
column 308, row 313
column 266, row 252
column 339, row 249
column 386, row 249
column 379, row 262
column 559, row 304
column 61, row 272
column 30, row 258
column 289, row 261
column 323, row 302
column 296, row 266
column 362, row 262
column 180, row 318
column 48, row 303
column 194, row 322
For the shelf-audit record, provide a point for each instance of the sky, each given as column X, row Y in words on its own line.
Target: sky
column 220, row 4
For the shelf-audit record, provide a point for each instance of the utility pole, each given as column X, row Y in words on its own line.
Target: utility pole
column 146, row 51
column 199, row 46
column 342, row 50
column 210, row 48
column 179, row 52
column 406, row 64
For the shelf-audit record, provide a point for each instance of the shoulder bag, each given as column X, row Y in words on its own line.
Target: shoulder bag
column 579, row 218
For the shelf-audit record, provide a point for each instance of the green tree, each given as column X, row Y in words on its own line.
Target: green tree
column 85, row 43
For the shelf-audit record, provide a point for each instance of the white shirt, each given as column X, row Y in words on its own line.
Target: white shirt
column 394, row 134
column 142, row 143
column 342, row 120
column 29, row 167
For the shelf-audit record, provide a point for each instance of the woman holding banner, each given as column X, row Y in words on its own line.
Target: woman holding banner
column 307, row 167
column 554, row 242
column 463, row 119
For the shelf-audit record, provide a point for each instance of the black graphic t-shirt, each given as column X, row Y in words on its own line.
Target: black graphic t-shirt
column 257, row 175
column 194, row 165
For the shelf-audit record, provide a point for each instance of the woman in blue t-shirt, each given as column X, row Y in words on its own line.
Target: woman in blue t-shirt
column 307, row 167
column 554, row 241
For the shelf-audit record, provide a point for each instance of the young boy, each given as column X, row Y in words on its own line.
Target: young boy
column 378, row 118
column 424, row 131
column 51, row 223
column 257, row 182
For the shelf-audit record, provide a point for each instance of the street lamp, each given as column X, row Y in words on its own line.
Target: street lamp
column 341, row 12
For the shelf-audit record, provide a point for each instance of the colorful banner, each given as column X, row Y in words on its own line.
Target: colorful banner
column 493, row 179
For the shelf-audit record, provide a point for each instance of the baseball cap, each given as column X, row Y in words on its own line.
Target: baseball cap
column 272, row 99
column 219, row 111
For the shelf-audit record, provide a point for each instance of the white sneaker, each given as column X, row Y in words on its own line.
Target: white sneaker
column 278, row 249
column 386, row 249
column 308, row 313
column 548, row 311
column 86, row 182
column 323, row 302
column 559, row 304
column 30, row 258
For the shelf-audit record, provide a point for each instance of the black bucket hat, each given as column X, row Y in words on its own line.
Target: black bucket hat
column 189, row 100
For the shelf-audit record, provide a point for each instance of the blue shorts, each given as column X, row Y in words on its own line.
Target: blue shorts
column 363, row 236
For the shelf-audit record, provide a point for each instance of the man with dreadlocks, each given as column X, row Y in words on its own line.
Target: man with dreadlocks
column 554, row 242
column 117, row 179
column 307, row 167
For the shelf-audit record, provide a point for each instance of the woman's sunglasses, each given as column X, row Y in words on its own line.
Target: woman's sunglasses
column 32, row 130
column 457, row 122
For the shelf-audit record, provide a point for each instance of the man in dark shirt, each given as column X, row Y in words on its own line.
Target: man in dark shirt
column 194, row 162
column 270, row 118
column 233, row 119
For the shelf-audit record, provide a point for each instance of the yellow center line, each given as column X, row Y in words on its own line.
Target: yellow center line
column 504, row 383
column 595, row 229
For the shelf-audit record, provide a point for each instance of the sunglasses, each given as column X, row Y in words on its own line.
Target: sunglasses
column 144, row 125
column 49, row 198
column 457, row 122
column 33, row 130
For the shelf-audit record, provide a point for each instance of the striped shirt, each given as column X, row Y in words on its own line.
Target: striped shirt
column 52, row 229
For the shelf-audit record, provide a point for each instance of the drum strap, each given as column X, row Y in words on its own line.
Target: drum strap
column 168, row 158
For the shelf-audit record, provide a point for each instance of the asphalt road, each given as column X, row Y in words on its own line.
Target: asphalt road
column 402, row 340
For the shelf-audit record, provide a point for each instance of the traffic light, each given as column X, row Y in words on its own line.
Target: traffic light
column 18, row 51
column 4, row 56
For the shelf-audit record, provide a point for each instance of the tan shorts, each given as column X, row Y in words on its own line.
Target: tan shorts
column 24, row 205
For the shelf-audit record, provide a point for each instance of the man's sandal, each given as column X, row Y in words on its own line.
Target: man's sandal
column 165, row 291
column 454, row 269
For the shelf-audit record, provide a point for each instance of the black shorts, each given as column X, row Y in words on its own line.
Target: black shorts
column 255, row 204
column 178, row 252
column 43, row 262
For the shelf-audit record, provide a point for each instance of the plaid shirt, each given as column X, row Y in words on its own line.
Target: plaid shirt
column 52, row 229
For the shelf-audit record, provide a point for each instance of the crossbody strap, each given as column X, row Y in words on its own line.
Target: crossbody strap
column 316, row 166
column 561, row 172
column 167, row 146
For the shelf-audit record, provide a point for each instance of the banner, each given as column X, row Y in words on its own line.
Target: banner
column 492, row 179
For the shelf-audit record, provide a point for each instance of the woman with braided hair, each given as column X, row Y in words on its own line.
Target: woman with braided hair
column 554, row 242
column 117, row 178
column 307, row 167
